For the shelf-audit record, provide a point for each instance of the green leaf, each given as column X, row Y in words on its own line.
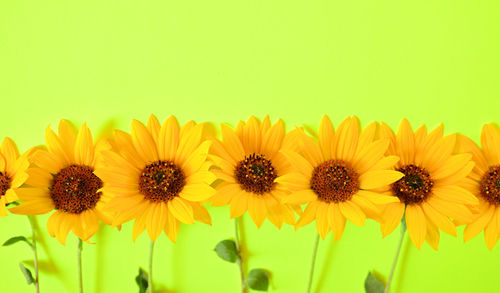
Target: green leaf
column 373, row 284
column 16, row 239
column 27, row 274
column 142, row 280
column 226, row 249
column 258, row 279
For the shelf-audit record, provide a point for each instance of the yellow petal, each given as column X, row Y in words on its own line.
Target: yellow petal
column 432, row 236
column 337, row 220
column 392, row 216
column 490, row 141
column 451, row 209
column 10, row 154
column 66, row 133
column 168, row 140
column 239, row 204
column 491, row 232
column 294, row 181
column 479, row 224
column 347, row 139
column 188, row 143
column 84, row 147
column 352, row 212
column 144, row 142
column 455, row 194
column 300, row 197
column 197, row 192
column 200, row 213
column 439, row 153
column 272, row 139
column 453, row 165
column 34, row 207
column 377, row 198
column 325, row 137
column 417, row 224
column 405, row 143
column 232, row 143
column 439, row 220
column 257, row 210
column 309, row 214
column 299, row 163
column 153, row 126
column 378, row 178
column 157, row 220
column 181, row 210
column 195, row 160
column 39, row 177
column 224, row 195
column 370, row 155
column 172, row 227
column 56, row 147
column 322, row 220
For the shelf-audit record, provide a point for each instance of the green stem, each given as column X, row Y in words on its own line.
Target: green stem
column 394, row 263
column 240, row 260
column 150, row 275
column 79, row 256
column 35, row 254
column 313, row 262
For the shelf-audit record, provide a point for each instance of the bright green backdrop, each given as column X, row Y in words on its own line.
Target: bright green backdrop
column 106, row 62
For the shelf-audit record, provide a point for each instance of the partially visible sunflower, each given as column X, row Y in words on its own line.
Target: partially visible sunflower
column 429, row 195
column 337, row 175
column 12, row 173
column 249, row 165
column 63, row 180
column 157, row 176
column 484, row 183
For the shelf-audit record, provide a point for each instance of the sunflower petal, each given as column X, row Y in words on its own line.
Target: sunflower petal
column 417, row 224
column 181, row 210
column 378, row 178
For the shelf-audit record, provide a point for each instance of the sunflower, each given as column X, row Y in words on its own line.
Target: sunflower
column 158, row 175
column 429, row 194
column 336, row 176
column 249, row 165
column 63, row 179
column 484, row 183
column 12, row 173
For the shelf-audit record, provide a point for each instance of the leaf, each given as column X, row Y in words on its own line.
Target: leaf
column 226, row 249
column 27, row 274
column 16, row 239
column 142, row 280
column 373, row 284
column 258, row 280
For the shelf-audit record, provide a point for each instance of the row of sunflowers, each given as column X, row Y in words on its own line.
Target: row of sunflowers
column 161, row 175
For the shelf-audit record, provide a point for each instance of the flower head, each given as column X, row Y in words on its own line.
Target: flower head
column 337, row 175
column 63, row 180
column 429, row 194
column 12, row 173
column 249, row 164
column 157, row 176
column 484, row 183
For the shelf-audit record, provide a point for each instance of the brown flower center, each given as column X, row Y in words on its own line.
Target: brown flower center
column 255, row 174
column 4, row 183
column 490, row 185
column 334, row 181
column 415, row 186
column 75, row 189
column 161, row 181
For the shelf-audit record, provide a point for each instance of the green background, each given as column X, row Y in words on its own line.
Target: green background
column 106, row 62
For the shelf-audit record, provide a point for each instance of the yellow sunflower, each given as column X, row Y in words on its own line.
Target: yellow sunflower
column 484, row 183
column 429, row 194
column 249, row 164
column 63, row 180
column 12, row 173
column 157, row 176
column 336, row 176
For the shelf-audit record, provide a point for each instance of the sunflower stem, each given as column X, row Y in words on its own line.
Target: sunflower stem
column 313, row 262
column 79, row 255
column 395, row 261
column 35, row 254
column 239, row 261
column 150, row 275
